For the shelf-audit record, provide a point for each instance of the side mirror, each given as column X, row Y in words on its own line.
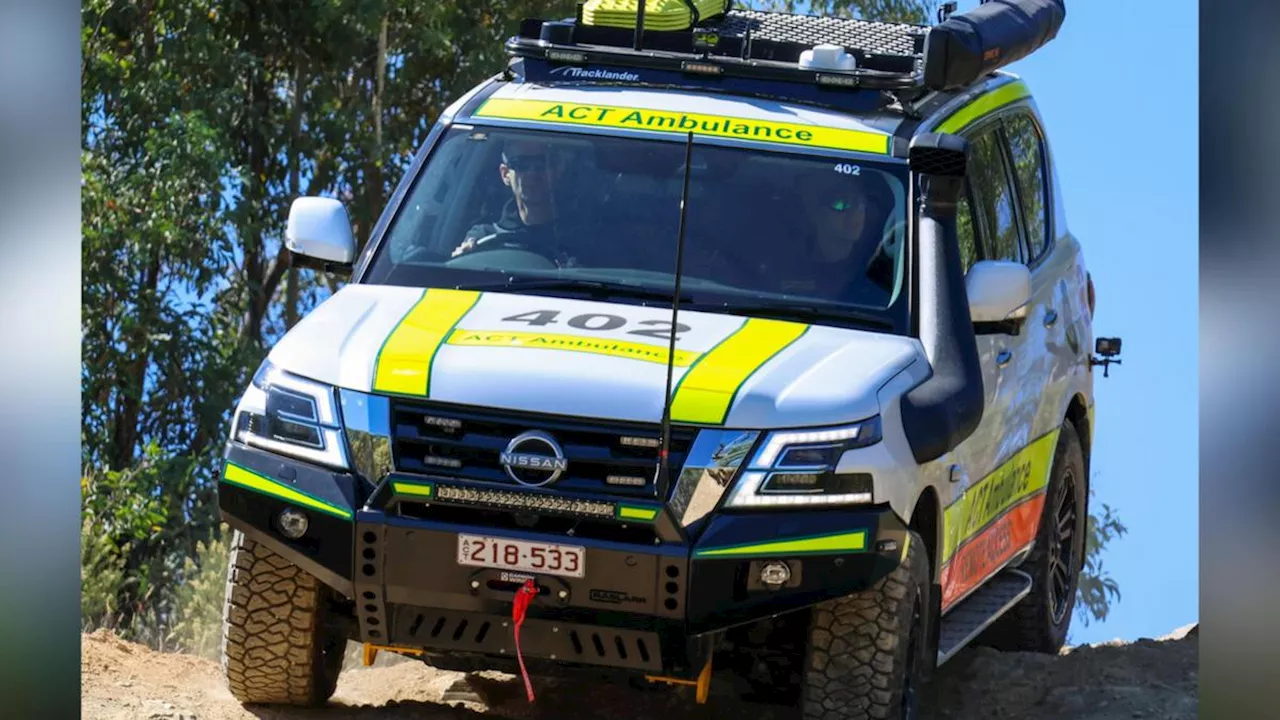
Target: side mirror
column 999, row 293
column 319, row 230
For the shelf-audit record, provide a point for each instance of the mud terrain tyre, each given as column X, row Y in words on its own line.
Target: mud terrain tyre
column 275, row 645
column 866, row 655
column 1040, row 622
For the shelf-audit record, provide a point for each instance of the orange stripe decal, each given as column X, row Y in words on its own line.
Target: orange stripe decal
column 991, row 548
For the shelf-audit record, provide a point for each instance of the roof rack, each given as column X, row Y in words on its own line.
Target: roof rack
column 839, row 53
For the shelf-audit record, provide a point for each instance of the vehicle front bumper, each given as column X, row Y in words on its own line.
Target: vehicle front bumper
column 652, row 605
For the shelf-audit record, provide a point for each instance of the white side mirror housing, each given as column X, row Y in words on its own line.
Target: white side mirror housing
column 319, row 228
column 998, row 290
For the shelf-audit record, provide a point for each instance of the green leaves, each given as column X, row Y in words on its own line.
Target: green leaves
column 201, row 122
column 1097, row 589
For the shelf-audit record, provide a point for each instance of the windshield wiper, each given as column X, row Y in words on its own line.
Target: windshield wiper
column 804, row 313
column 594, row 288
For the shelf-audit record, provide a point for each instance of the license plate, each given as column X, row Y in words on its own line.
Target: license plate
column 532, row 557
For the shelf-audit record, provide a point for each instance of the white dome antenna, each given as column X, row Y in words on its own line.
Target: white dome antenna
column 828, row 57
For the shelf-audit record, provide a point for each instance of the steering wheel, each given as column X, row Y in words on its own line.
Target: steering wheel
column 506, row 255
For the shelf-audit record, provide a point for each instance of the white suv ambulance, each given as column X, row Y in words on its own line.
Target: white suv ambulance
column 752, row 341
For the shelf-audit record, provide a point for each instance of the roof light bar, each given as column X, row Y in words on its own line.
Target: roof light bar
column 566, row 56
column 846, row 81
column 701, row 68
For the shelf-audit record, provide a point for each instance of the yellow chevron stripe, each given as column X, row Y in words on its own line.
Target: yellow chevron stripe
column 707, row 390
column 404, row 362
column 634, row 512
column 984, row 104
column 1021, row 476
column 249, row 480
column 843, row 542
column 417, row 489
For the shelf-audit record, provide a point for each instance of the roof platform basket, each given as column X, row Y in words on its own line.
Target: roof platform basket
column 711, row 38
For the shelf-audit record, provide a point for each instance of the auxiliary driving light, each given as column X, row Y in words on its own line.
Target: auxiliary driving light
column 775, row 574
column 293, row 523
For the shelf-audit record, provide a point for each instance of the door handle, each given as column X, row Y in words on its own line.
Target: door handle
column 1004, row 357
column 1050, row 318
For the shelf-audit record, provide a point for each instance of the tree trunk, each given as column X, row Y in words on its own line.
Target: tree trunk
column 124, row 435
column 291, row 283
column 373, row 192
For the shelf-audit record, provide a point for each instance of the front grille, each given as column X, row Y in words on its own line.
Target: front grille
column 462, row 443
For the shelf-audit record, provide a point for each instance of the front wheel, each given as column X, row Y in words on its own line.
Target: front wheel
column 867, row 652
column 276, row 647
column 1040, row 622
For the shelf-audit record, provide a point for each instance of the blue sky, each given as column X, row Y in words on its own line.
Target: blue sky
column 1118, row 89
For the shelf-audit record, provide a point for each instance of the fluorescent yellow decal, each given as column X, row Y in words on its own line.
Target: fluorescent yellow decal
column 412, row 489
column 1020, row 477
column 984, row 104
column 843, row 542
column 571, row 343
column 404, row 363
column 631, row 512
column 707, row 390
column 679, row 122
column 249, row 480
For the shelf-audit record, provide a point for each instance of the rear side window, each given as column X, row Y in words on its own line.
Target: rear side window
column 994, row 197
column 1027, row 150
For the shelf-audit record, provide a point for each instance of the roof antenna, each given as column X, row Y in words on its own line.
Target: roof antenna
column 638, row 43
column 664, row 455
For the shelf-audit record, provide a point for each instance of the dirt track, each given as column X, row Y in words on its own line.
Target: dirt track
column 1147, row 679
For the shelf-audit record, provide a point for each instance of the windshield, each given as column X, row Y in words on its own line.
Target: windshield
column 766, row 233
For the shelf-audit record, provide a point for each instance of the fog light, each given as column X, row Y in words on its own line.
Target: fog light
column 293, row 523
column 775, row 574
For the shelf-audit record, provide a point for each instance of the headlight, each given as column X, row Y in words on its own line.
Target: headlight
column 286, row 414
column 798, row 468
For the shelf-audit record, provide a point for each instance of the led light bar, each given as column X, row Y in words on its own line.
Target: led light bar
column 769, row 455
column 747, row 494
column 701, row 68
column 567, row 56
column 442, row 461
column 628, row 480
column 640, row 441
column 524, row 501
column 848, row 81
column 442, row 422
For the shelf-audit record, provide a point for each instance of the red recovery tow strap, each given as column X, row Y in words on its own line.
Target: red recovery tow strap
column 524, row 595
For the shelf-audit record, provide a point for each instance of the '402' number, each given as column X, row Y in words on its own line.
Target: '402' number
column 848, row 169
column 660, row 329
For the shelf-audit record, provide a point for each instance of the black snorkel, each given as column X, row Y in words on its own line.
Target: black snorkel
column 945, row 409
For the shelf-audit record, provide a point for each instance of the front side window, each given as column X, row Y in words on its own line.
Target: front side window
column 556, row 212
column 994, row 198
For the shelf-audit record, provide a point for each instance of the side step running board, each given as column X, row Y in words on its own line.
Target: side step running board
column 979, row 610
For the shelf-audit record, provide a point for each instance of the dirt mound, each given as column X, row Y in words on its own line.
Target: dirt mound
column 1111, row 681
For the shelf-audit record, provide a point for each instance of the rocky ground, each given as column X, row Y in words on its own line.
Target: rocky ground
column 1112, row 681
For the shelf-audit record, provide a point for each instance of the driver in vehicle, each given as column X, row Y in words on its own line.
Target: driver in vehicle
column 848, row 216
column 529, row 218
